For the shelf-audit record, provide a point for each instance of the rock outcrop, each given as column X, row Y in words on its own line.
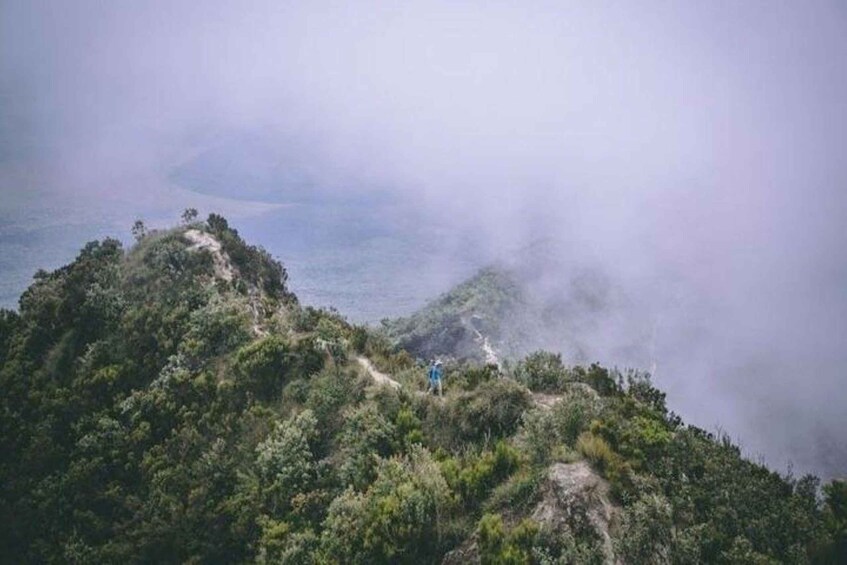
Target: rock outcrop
column 576, row 497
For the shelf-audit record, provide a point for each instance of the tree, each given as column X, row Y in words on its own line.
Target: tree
column 139, row 230
column 217, row 223
column 285, row 460
column 189, row 215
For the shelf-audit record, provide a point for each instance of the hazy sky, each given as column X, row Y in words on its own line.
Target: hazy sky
column 695, row 150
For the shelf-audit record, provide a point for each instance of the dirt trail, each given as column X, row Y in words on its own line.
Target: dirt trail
column 202, row 240
column 377, row 376
column 541, row 400
column 225, row 270
column 490, row 354
column 545, row 401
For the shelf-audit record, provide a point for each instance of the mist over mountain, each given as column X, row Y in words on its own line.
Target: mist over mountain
column 680, row 164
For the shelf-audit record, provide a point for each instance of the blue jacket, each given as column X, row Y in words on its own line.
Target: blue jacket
column 434, row 373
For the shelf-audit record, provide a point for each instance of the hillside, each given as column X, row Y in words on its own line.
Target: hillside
column 175, row 402
column 533, row 301
column 459, row 322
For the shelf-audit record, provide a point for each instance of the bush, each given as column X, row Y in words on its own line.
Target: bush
column 835, row 522
column 646, row 532
column 365, row 437
column 616, row 469
column 599, row 378
column 542, row 371
column 548, row 431
column 474, row 477
column 218, row 327
column 518, row 494
column 330, row 391
column 595, row 449
column 490, row 412
column 397, row 520
column 286, row 462
column 527, row 543
column 472, row 376
column 262, row 367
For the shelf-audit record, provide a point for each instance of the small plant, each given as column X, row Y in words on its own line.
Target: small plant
column 499, row 546
column 595, row 449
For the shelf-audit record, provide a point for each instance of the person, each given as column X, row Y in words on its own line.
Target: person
column 435, row 373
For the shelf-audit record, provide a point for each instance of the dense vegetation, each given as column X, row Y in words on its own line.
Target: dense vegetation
column 154, row 412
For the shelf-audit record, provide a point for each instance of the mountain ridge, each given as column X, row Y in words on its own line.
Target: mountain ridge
column 176, row 402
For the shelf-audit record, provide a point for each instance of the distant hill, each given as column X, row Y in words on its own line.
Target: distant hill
column 532, row 302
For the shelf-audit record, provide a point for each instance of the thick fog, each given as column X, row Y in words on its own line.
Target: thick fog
column 693, row 151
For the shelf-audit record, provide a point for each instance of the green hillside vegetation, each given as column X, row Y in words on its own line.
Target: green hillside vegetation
column 153, row 411
column 534, row 302
column 446, row 325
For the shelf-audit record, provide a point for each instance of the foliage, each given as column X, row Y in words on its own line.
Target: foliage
column 646, row 531
column 542, row 371
column 139, row 230
column 547, row 431
column 365, row 437
column 153, row 412
column 527, row 542
column 474, row 477
column 285, row 462
column 261, row 367
column 498, row 546
column 189, row 215
column 491, row 411
column 396, row 520
column 835, row 522
column 328, row 393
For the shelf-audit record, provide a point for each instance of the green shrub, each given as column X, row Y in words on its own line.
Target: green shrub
column 542, row 371
column 472, row 376
column 408, row 427
column 595, row 449
column 219, row 326
column 263, row 367
column 474, row 477
column 365, row 437
column 397, row 520
column 646, row 532
column 834, row 550
column 599, row 378
column 490, row 412
column 286, row 462
column 358, row 338
column 497, row 546
column 518, row 494
column 330, row 391
column 551, row 432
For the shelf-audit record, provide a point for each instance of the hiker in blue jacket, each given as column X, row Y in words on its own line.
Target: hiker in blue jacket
column 435, row 374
